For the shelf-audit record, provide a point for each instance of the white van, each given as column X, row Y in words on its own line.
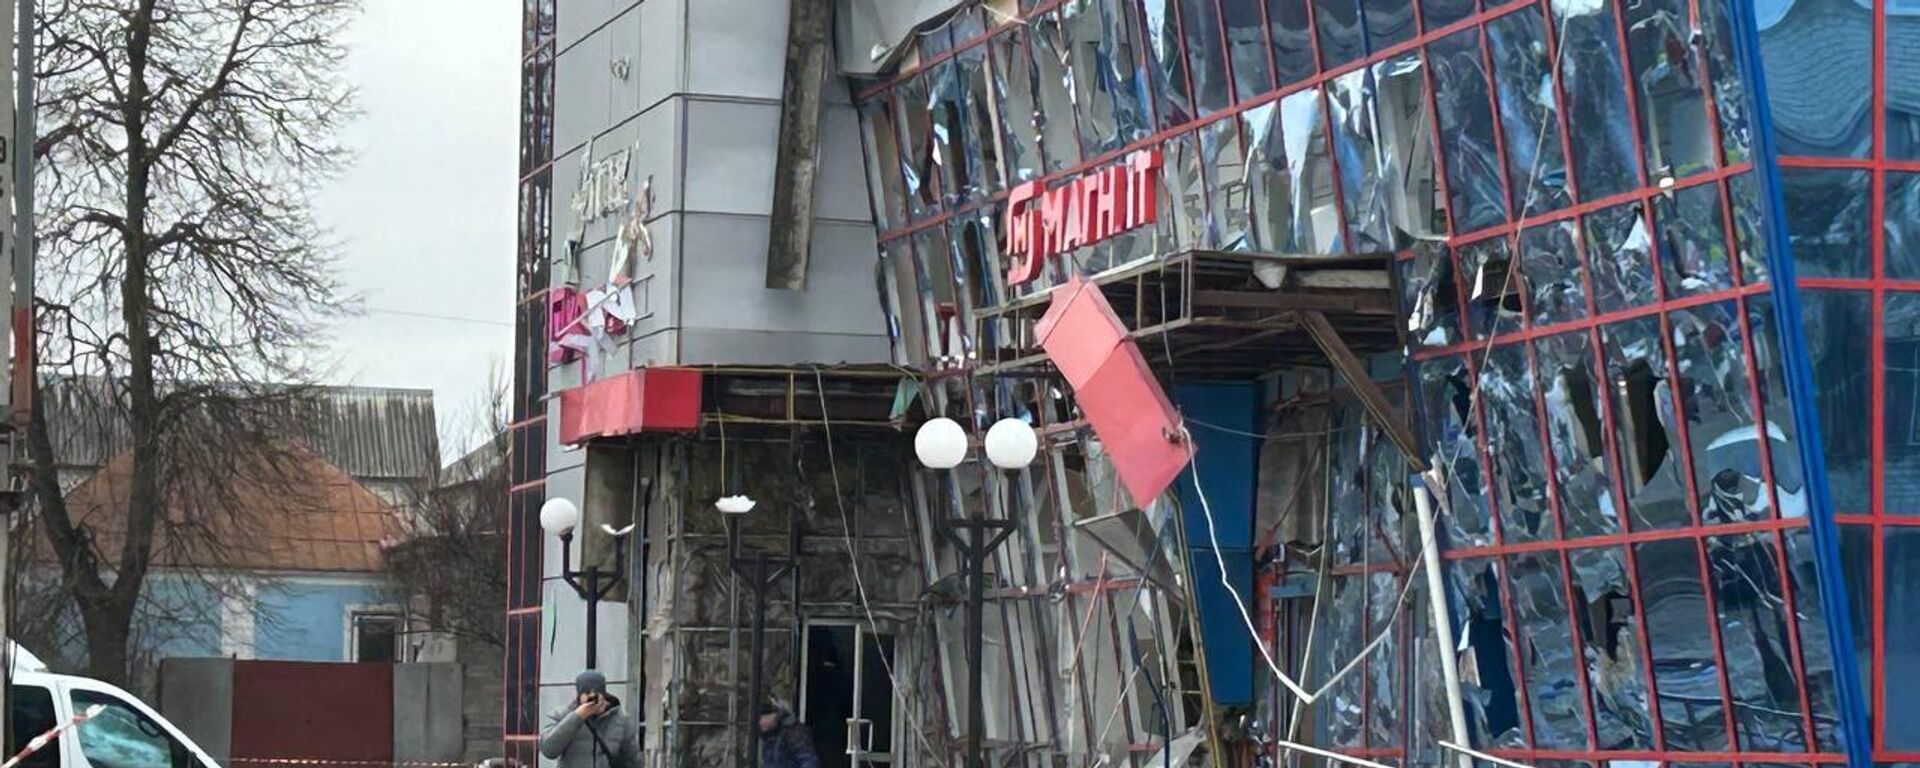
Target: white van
column 125, row 734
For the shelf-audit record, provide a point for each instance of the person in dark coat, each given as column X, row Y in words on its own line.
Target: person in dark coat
column 785, row 742
column 593, row 732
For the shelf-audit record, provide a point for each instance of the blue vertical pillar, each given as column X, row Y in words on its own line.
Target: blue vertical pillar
column 1222, row 418
column 1856, row 735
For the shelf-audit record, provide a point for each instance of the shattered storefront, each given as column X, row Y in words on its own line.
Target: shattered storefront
column 1618, row 290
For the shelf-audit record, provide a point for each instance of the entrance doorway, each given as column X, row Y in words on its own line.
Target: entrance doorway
column 848, row 698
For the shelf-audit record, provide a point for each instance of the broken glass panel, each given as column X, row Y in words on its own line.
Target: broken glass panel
column 1051, row 61
column 940, row 291
column 1452, row 429
column 1362, row 186
column 1575, row 422
column 1529, row 113
column 1183, row 161
column 1605, row 163
column 1644, row 424
column 903, row 293
column 1816, row 647
column 1902, row 392
column 1673, row 107
column 1393, row 532
column 1858, row 570
column 1341, row 36
column 1550, row 260
column 1247, row 42
column 1389, row 23
column 1493, row 287
column 916, row 141
column 1902, row 223
column 1430, row 299
column 1686, row 666
column 1229, row 226
column 1115, row 104
column 1744, row 195
column 1727, row 460
column 1753, row 630
column 1019, row 115
column 1552, row 672
column 983, row 167
column 1693, row 241
column 1292, row 41
column 1729, row 94
column 1206, row 55
column 1343, row 709
column 1839, row 333
column 947, row 105
column 974, row 236
column 1385, row 725
column 1270, row 195
column 1406, row 150
column 1440, row 13
column 1901, row 27
column 1620, row 249
column 1785, row 451
column 1513, row 439
column 1610, row 634
column 1167, row 63
column 1818, row 60
column 1901, row 580
column 1476, row 198
column 1346, row 483
column 1827, row 212
column 1316, row 219
column 883, row 164
column 1487, row 662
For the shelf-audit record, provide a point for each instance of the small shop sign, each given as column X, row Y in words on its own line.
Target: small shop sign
column 1043, row 223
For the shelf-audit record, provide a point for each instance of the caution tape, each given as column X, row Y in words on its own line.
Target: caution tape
column 41, row 741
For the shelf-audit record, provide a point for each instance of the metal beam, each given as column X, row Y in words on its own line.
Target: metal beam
column 1364, row 303
column 797, row 162
column 1371, row 398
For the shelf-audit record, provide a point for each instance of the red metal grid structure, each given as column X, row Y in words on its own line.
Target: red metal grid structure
column 1721, row 173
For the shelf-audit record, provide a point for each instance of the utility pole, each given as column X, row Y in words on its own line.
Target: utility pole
column 16, row 263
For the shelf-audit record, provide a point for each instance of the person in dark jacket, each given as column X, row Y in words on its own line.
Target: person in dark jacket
column 594, row 733
column 785, row 742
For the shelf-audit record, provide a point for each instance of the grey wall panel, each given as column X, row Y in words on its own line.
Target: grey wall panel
column 197, row 696
column 730, row 151
column 623, row 58
column 657, row 131
column 580, row 93
column 726, row 268
column 660, row 71
column 567, row 655
column 559, row 459
column 840, row 191
column 655, row 349
column 703, row 346
column 566, row 178
column 426, row 712
column 740, row 48
column 575, row 18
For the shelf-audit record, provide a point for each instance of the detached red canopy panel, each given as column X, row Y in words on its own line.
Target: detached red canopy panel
column 646, row 400
column 1129, row 411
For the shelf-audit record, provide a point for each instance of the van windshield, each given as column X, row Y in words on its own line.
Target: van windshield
column 121, row 736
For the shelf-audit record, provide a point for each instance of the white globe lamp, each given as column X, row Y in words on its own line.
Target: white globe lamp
column 1012, row 444
column 559, row 516
column 940, row 444
column 734, row 505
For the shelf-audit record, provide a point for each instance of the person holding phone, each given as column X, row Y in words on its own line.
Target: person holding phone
column 594, row 732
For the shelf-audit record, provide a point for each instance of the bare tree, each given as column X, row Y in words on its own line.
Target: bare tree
column 451, row 566
column 180, row 268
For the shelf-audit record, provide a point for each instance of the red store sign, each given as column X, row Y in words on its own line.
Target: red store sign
column 1043, row 223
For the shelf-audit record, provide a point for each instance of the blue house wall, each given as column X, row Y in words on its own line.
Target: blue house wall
column 306, row 620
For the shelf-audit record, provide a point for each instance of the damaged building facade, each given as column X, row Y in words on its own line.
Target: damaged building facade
column 1416, row 381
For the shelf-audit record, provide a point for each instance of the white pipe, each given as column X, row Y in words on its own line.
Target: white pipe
column 1335, row 756
column 1466, row 752
column 1437, row 610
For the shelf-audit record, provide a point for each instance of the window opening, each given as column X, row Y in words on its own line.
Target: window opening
column 376, row 637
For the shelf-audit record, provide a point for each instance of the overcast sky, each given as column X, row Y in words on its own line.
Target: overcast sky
column 427, row 211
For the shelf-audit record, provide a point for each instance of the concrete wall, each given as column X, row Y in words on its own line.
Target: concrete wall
column 197, row 696
column 428, row 712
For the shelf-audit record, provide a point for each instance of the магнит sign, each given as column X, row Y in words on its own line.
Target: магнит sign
column 1042, row 223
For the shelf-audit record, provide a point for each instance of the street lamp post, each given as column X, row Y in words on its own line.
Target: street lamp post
column 558, row 517
column 760, row 571
column 942, row 444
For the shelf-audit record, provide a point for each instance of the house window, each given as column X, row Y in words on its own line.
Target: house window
column 376, row 637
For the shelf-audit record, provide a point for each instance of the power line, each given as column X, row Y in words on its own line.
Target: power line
column 433, row 316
